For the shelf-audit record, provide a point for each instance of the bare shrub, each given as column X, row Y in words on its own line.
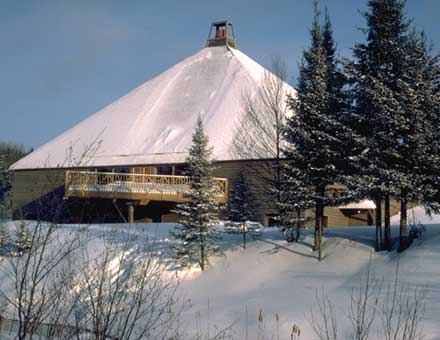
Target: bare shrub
column 396, row 312
column 402, row 310
column 35, row 283
column 125, row 293
column 324, row 322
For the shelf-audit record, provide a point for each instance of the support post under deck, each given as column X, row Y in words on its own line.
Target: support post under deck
column 130, row 213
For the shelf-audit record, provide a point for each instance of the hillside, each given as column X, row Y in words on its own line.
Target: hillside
column 282, row 279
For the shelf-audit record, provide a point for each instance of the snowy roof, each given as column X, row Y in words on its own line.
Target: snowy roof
column 153, row 124
column 365, row 204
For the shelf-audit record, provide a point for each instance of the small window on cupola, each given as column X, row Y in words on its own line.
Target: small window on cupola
column 221, row 34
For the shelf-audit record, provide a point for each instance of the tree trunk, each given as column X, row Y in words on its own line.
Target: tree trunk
column 403, row 242
column 243, row 226
column 378, row 224
column 298, row 223
column 202, row 250
column 319, row 211
column 388, row 243
column 317, row 226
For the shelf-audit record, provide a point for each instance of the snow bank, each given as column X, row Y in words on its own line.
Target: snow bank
column 282, row 278
column 417, row 215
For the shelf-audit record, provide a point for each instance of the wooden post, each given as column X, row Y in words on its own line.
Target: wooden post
column 130, row 213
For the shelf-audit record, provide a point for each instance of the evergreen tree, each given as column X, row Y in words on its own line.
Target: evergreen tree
column 9, row 154
column 338, row 101
column 4, row 235
column 241, row 201
column 344, row 120
column 378, row 66
column 295, row 198
column 5, row 194
column 241, row 206
column 23, row 241
column 431, row 183
column 417, row 146
column 200, row 212
column 316, row 136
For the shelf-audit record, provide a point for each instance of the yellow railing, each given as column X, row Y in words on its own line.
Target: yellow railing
column 148, row 185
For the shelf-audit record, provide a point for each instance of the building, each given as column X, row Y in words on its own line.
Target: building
column 126, row 161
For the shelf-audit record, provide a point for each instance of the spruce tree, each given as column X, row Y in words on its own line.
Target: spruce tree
column 417, row 146
column 431, row 102
column 199, row 213
column 4, row 235
column 346, row 141
column 23, row 239
column 9, row 154
column 295, row 198
column 5, row 194
column 241, row 201
column 317, row 139
column 378, row 66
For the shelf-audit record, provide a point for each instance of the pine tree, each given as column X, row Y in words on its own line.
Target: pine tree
column 316, row 135
column 4, row 235
column 346, row 141
column 431, row 102
column 416, row 134
column 295, row 198
column 196, row 231
column 23, row 241
column 5, row 194
column 9, row 154
column 241, row 201
column 338, row 102
column 375, row 73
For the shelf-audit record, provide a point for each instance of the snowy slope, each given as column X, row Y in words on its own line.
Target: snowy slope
column 282, row 278
column 417, row 215
column 153, row 124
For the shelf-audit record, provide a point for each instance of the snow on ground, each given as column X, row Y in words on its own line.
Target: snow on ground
column 418, row 215
column 282, row 279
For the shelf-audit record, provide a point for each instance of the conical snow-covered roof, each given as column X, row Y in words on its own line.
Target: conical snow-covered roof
column 153, row 124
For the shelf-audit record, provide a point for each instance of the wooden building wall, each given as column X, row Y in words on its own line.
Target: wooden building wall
column 30, row 186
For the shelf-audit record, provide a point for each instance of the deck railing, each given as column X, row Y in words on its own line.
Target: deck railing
column 78, row 183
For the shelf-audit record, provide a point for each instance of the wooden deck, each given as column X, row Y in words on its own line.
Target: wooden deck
column 135, row 187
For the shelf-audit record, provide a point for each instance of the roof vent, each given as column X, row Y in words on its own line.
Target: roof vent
column 221, row 34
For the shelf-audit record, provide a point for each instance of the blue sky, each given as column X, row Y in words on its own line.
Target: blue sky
column 62, row 61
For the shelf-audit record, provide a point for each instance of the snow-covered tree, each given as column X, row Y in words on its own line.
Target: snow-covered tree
column 9, row 153
column 431, row 185
column 379, row 65
column 5, row 193
column 317, row 139
column 241, row 200
column 23, row 239
column 417, row 143
column 241, row 203
column 4, row 235
column 295, row 198
column 195, row 232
